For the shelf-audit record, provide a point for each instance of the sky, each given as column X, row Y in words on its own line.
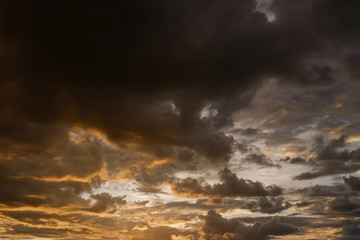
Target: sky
column 180, row 120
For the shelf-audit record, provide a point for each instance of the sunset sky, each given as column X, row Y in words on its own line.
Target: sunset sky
column 180, row 119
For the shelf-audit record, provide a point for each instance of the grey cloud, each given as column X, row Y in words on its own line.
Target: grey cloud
column 106, row 203
column 297, row 221
column 85, row 157
column 260, row 159
column 243, row 147
column 303, row 204
column 282, row 137
column 246, row 131
column 215, row 226
column 331, row 159
column 44, row 232
column 353, row 182
column 141, row 203
column 330, row 202
column 287, row 115
column 150, row 179
column 34, row 217
column 343, row 204
column 165, row 233
column 350, row 232
column 294, row 160
column 27, row 191
column 295, row 111
column 269, row 205
column 39, row 178
column 331, row 168
column 67, row 157
column 321, row 191
column 230, row 185
column 305, row 224
column 64, row 225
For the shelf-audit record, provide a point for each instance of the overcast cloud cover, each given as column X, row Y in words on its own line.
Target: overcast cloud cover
column 180, row 120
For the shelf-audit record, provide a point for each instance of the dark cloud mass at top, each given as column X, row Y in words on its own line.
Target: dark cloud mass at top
column 118, row 66
column 112, row 111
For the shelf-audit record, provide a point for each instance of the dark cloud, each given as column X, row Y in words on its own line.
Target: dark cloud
column 281, row 137
column 260, row 159
column 215, row 226
column 343, row 204
column 331, row 158
column 230, row 185
column 269, row 205
column 243, row 147
column 303, row 204
column 295, row 160
column 160, row 76
column 141, row 203
column 296, row 221
column 353, row 182
column 45, row 232
column 101, row 72
column 80, row 157
column 246, row 131
column 166, row 233
column 306, row 225
column 321, row 190
column 151, row 179
column 33, row 217
column 106, row 203
column 350, row 232
column 62, row 225
column 30, row 192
